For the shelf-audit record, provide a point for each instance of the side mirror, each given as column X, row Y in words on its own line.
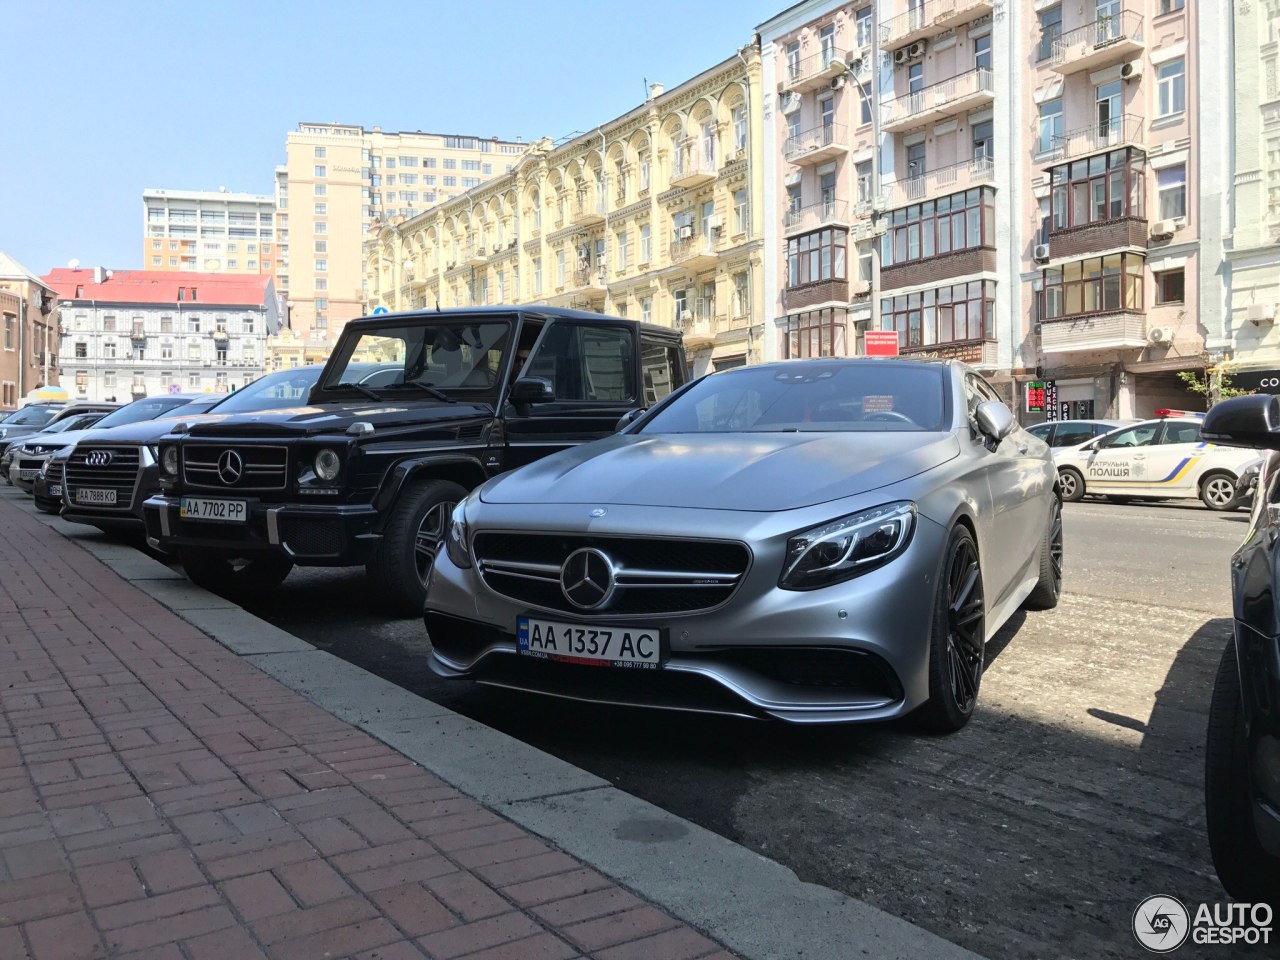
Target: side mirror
column 994, row 419
column 628, row 418
column 1244, row 422
column 532, row 390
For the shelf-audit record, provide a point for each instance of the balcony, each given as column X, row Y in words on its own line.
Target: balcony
column 138, row 334
column 938, row 101
column 810, row 296
column 1117, row 330
column 584, row 287
column 691, row 168
column 588, row 208
column 825, row 213
column 219, row 334
column 811, row 73
column 1106, row 41
column 697, row 324
column 929, row 18
column 475, row 256
column 940, row 182
column 693, row 253
column 1122, row 131
column 983, row 354
column 1104, row 235
column 816, row 145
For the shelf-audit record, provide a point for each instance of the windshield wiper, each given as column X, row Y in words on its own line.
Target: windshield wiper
column 428, row 388
column 361, row 388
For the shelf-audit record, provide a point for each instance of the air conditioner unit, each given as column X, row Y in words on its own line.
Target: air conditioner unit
column 1131, row 70
column 686, row 232
column 715, row 222
column 1162, row 229
column 790, row 102
column 901, row 56
column 860, row 286
column 916, row 50
column 1259, row 313
column 837, row 83
column 1041, row 253
column 1159, row 334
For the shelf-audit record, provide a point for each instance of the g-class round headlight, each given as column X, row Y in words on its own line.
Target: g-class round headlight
column 169, row 461
column 327, row 464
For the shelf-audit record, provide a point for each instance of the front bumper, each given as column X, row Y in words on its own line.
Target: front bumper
column 308, row 534
column 854, row 651
column 23, row 469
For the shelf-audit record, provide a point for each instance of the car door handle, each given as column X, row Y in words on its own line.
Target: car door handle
column 1022, row 448
column 1139, row 456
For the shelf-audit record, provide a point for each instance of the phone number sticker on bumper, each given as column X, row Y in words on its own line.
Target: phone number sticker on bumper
column 601, row 645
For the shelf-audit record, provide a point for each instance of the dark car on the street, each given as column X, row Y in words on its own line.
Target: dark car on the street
column 369, row 470
column 1242, row 753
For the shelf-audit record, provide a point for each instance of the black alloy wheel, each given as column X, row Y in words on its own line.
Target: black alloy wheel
column 958, row 647
column 1048, row 588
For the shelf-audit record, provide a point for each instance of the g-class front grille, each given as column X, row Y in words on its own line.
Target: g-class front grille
column 103, row 467
column 649, row 575
column 240, row 467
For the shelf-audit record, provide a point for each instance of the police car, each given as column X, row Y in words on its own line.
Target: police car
column 1160, row 459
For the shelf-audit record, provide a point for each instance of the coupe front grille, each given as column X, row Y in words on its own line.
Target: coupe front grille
column 654, row 576
column 242, row 468
column 102, row 467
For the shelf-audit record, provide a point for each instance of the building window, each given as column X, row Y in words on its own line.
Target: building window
column 322, row 246
column 982, row 52
column 644, row 171
column 82, row 349
column 321, row 284
column 793, row 59
column 1097, row 285
column 624, row 249
column 166, row 350
column 319, row 153
column 155, row 261
column 952, row 314
column 1172, row 189
column 915, row 160
column 815, row 333
column 1108, row 108
column 1171, row 286
column 862, row 28
column 1050, row 30
column 646, row 243
column 827, row 41
column 450, row 181
column 646, row 309
column 1171, row 86
column 321, row 189
column 322, row 209
column 1051, row 127
column 322, row 266
column 1170, row 6
column 984, row 141
column 864, row 107
column 741, row 211
column 322, row 171
column 109, row 321
column 740, row 128
column 741, row 296
column 863, row 173
column 962, row 221
column 815, row 257
column 233, row 264
column 450, row 164
column 537, row 276
column 1101, row 188
column 109, row 349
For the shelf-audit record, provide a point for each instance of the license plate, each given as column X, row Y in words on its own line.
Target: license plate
column 27, row 474
column 202, row 508
column 600, row 645
column 55, row 490
column 95, row 496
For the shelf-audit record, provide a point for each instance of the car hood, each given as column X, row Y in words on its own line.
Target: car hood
column 753, row 472
column 336, row 417
column 65, row 439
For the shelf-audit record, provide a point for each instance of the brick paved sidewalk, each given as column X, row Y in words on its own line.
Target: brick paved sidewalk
column 161, row 798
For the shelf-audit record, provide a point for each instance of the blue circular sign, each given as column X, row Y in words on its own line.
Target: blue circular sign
column 175, row 389
column 379, row 311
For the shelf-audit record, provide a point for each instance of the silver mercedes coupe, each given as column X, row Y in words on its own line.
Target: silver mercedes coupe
column 814, row 540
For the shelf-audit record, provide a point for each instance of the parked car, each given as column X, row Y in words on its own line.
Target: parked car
column 23, row 422
column 109, row 475
column 1164, row 458
column 815, row 541
column 1072, row 433
column 1242, row 752
column 369, row 472
column 27, row 455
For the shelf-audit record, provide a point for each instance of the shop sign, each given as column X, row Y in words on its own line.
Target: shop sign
column 1260, row 381
column 1035, row 396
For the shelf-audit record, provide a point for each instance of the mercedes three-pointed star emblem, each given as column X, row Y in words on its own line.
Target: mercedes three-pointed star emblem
column 230, row 467
column 588, row 578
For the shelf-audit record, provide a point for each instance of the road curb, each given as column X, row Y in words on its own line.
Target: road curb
column 758, row 908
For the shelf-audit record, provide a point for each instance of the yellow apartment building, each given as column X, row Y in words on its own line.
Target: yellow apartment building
column 654, row 215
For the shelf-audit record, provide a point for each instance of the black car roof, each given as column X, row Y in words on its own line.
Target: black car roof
column 540, row 312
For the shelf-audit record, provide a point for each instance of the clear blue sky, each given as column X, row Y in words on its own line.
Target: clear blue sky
column 105, row 99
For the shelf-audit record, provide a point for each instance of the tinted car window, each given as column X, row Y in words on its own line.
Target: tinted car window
column 1069, row 436
column 75, row 422
column 585, row 362
column 660, row 367
column 32, row 416
column 139, row 410
column 287, row 388
column 456, row 356
column 810, row 397
column 1040, row 431
column 1181, row 433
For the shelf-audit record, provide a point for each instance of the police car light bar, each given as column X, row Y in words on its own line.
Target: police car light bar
column 1166, row 412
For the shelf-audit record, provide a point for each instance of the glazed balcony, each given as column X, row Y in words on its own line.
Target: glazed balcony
column 820, row 293
column 1106, row 41
column 817, row 145
column 811, row 73
column 824, row 213
column 938, row 101
column 1122, row 131
column 691, row 167
column 696, row 324
column 694, row 252
column 588, row 208
column 939, row 182
column 1114, row 330
column 929, row 18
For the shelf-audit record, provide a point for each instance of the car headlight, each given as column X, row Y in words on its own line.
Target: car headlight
column 169, row 460
column 844, row 548
column 455, row 542
column 327, row 464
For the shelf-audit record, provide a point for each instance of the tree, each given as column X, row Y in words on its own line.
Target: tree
column 1213, row 384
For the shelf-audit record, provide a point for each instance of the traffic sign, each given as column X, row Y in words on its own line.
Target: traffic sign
column 880, row 343
column 174, row 389
column 379, row 311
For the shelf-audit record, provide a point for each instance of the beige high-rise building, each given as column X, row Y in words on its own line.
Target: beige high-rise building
column 210, row 231
column 654, row 215
column 336, row 180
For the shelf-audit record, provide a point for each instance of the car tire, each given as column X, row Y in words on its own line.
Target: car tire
column 1244, row 868
column 241, row 578
column 399, row 569
column 1048, row 589
column 1218, row 491
column 957, row 642
column 1070, row 484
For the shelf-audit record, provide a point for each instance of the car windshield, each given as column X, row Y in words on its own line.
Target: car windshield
column 32, row 416
column 275, row 391
column 459, row 356
column 811, row 396
column 148, row 408
column 74, row 422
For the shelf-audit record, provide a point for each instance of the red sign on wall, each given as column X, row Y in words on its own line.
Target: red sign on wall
column 880, row 343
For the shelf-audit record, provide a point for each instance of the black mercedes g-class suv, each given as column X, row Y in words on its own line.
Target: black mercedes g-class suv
column 369, row 474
